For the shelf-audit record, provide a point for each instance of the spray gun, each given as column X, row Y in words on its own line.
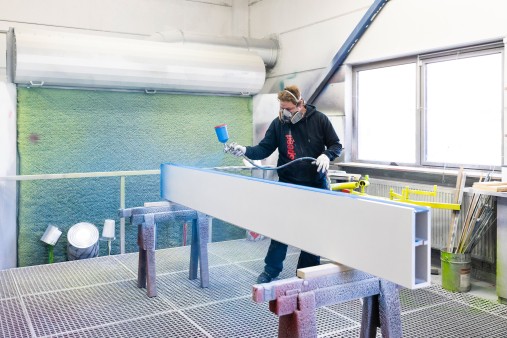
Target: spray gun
column 223, row 137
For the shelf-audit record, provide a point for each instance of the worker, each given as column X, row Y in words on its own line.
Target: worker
column 300, row 130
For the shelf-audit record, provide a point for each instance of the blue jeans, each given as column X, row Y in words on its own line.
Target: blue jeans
column 278, row 251
column 276, row 255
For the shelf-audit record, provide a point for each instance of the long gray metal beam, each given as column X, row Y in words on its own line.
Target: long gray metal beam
column 390, row 240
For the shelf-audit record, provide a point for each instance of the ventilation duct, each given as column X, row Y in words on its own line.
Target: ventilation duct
column 75, row 60
column 267, row 49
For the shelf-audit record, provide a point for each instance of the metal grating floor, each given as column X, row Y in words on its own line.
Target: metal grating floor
column 99, row 298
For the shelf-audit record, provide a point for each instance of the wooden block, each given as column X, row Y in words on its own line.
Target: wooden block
column 499, row 188
column 321, row 270
column 491, row 186
column 493, row 183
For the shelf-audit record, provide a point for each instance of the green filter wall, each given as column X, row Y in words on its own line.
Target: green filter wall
column 78, row 131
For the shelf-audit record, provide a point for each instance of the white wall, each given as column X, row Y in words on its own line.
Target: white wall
column 408, row 27
column 311, row 32
column 8, row 210
column 142, row 17
column 136, row 19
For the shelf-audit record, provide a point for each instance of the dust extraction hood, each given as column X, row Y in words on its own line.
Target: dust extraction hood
column 61, row 59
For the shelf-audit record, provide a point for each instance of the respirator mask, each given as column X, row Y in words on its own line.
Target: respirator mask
column 288, row 117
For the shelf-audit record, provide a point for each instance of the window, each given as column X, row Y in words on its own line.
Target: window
column 386, row 116
column 459, row 121
column 464, row 110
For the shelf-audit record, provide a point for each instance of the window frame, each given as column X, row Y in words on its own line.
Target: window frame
column 420, row 61
column 370, row 66
column 463, row 53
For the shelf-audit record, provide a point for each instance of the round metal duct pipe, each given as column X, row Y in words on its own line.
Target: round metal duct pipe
column 267, row 49
column 75, row 60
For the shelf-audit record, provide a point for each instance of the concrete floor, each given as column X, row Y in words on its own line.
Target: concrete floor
column 99, row 298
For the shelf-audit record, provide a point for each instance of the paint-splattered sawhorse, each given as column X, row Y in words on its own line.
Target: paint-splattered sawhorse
column 295, row 301
column 146, row 219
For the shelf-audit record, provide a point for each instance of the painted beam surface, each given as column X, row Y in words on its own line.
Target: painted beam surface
column 387, row 239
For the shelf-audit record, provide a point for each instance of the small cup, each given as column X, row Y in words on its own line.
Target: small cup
column 108, row 231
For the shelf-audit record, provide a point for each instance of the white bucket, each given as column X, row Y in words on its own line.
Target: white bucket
column 83, row 241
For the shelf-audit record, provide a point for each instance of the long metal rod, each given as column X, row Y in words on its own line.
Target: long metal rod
column 99, row 174
column 344, row 51
column 122, row 219
column 78, row 175
column 121, row 174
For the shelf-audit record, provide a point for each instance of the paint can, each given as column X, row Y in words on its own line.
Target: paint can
column 456, row 270
column 82, row 241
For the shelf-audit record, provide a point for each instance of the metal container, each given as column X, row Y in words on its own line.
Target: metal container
column 456, row 270
column 83, row 241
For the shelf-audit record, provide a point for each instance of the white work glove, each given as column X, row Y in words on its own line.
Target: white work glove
column 238, row 150
column 322, row 163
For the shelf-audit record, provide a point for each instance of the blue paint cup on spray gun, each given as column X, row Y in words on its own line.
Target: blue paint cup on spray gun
column 222, row 134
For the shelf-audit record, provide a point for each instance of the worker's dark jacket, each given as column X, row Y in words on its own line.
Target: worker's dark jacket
column 310, row 137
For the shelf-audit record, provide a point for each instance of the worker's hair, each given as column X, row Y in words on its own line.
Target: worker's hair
column 290, row 94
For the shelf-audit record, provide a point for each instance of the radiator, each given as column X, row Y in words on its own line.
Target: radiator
column 440, row 218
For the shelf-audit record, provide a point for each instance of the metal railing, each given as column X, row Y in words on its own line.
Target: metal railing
column 122, row 175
